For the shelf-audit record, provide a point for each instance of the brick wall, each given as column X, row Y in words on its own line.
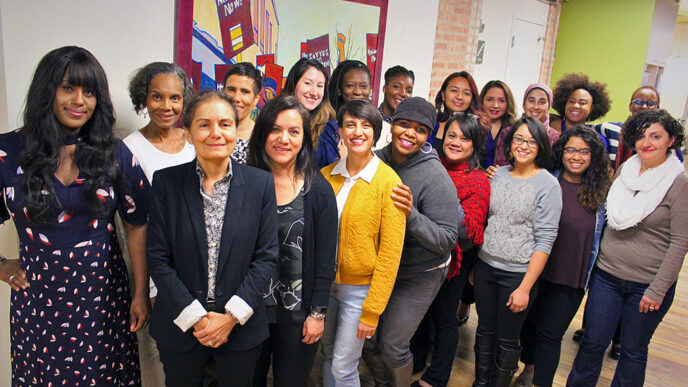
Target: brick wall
column 550, row 42
column 456, row 39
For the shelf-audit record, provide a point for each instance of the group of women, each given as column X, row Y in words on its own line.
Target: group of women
column 326, row 222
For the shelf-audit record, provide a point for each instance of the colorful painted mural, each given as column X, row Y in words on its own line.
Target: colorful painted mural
column 213, row 35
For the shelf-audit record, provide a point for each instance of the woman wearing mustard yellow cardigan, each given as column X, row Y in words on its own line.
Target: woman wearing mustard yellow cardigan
column 371, row 236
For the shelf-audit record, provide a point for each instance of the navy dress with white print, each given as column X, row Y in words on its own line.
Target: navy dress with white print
column 71, row 325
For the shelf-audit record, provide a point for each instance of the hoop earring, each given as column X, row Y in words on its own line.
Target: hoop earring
column 426, row 148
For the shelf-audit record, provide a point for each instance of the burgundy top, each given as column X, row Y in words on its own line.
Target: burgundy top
column 568, row 262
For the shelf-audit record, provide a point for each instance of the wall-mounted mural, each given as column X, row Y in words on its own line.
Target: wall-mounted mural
column 213, row 35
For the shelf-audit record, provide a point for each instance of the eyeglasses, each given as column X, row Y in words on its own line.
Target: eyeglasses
column 649, row 104
column 583, row 151
column 518, row 140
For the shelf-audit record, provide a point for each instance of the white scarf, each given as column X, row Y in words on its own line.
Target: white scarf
column 633, row 196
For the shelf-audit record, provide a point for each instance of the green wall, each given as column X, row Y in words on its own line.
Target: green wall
column 607, row 40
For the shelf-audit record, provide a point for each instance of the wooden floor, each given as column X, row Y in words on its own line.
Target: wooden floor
column 667, row 363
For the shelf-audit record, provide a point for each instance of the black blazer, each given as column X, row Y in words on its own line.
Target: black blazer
column 319, row 242
column 177, row 251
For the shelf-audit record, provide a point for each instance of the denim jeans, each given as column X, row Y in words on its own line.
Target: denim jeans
column 611, row 300
column 340, row 346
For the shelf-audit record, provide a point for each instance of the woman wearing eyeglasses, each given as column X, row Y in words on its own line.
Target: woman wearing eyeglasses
column 525, row 204
column 580, row 165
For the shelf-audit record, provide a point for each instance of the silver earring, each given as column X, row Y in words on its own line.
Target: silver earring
column 426, row 148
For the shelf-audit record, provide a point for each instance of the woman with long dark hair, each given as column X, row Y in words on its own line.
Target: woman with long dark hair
column 461, row 157
column 458, row 94
column 307, row 81
column 581, row 165
column 641, row 253
column 64, row 175
column 296, row 301
column 525, row 203
column 500, row 110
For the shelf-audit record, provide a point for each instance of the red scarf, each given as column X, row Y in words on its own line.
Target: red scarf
column 473, row 191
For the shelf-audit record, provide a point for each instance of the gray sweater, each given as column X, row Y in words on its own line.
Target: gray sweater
column 523, row 217
column 432, row 229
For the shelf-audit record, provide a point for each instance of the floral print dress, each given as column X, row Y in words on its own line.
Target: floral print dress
column 71, row 325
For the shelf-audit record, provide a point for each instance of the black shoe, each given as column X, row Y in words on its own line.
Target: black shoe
column 578, row 335
column 615, row 351
column 461, row 320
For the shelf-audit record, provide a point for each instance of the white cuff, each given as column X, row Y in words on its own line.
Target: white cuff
column 239, row 309
column 190, row 315
column 152, row 289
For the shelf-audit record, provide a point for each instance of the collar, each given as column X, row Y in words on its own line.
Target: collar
column 201, row 173
column 367, row 173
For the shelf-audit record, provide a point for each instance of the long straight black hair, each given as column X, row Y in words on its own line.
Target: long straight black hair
column 257, row 157
column 44, row 137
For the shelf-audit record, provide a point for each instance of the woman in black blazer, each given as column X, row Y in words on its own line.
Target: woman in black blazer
column 296, row 301
column 212, row 248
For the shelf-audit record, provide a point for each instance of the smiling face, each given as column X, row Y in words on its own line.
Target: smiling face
column 355, row 85
column 310, row 88
column 645, row 96
column 74, row 105
column 458, row 95
column 495, row 103
column 240, row 89
column 578, row 106
column 576, row 158
column 653, row 145
column 457, row 147
column 523, row 146
column 536, row 105
column 398, row 89
column 408, row 137
column 285, row 139
column 213, row 130
column 165, row 100
column 357, row 134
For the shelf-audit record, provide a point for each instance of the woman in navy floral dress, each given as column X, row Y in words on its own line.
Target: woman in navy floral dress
column 63, row 176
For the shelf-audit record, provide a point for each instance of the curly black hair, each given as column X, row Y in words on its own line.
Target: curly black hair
column 597, row 179
column 539, row 133
column 138, row 86
column 635, row 126
column 574, row 81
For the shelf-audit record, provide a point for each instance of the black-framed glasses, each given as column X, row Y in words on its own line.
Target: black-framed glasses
column 649, row 104
column 518, row 140
column 583, row 151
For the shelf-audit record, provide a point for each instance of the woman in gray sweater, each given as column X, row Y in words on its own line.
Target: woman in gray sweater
column 642, row 251
column 525, row 205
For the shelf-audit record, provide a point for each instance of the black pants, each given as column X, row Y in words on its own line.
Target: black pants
column 492, row 290
column 441, row 316
column 185, row 369
column 547, row 321
column 292, row 360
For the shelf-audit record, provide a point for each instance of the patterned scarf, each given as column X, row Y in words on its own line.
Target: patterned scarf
column 473, row 192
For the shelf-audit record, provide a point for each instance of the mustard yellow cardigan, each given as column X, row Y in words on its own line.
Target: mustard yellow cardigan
column 371, row 237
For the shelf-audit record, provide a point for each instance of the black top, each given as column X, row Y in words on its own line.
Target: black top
column 570, row 257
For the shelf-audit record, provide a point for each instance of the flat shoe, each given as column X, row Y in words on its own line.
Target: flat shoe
column 461, row 320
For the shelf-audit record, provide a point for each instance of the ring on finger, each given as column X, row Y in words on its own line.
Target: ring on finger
column 369, row 337
column 11, row 278
column 652, row 308
column 210, row 342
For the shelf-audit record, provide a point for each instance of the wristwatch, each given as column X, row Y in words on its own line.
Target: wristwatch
column 318, row 312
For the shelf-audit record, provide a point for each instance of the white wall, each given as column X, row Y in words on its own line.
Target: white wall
column 410, row 41
column 662, row 32
column 674, row 88
column 124, row 35
column 127, row 34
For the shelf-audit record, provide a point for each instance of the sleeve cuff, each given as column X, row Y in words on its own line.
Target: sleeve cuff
column 152, row 289
column 239, row 309
column 190, row 315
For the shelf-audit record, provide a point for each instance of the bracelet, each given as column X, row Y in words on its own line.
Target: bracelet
column 317, row 315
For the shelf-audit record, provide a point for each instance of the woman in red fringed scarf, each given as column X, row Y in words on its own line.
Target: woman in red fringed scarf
column 460, row 155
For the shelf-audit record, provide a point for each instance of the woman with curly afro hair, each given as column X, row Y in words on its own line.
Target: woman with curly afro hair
column 578, row 100
column 580, row 163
